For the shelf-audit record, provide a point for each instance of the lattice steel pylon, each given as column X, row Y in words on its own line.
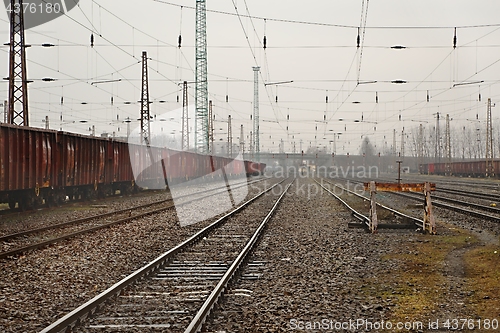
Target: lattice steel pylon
column 145, row 115
column 201, row 95
column 229, row 137
column 490, row 170
column 185, row 117
column 18, row 82
column 256, row 130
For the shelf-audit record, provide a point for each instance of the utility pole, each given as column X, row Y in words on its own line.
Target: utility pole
column 437, row 151
column 18, row 82
column 185, row 118
column 402, row 151
column 394, row 142
column 420, row 144
column 490, row 170
column 251, row 145
column 128, row 126
column 145, row 115
column 242, row 141
column 447, row 147
column 256, row 130
column 201, row 94
column 210, row 129
column 229, row 138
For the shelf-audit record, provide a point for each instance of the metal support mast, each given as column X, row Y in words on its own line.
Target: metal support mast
column 242, row 141
column 420, row 144
column 210, row 129
column 256, row 131
column 18, row 82
column 447, row 147
column 251, row 145
column 394, row 143
column 201, row 94
column 437, row 151
column 229, row 137
column 145, row 115
column 185, row 118
column 490, row 170
column 402, row 151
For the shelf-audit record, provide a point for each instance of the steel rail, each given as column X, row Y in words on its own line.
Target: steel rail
column 455, row 208
column 356, row 214
column 99, row 216
column 42, row 244
column 90, row 307
column 456, row 201
column 209, row 304
column 418, row 222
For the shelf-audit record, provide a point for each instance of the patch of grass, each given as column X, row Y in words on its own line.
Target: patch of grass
column 415, row 286
column 483, row 273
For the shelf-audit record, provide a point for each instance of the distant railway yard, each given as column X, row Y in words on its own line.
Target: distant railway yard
column 289, row 255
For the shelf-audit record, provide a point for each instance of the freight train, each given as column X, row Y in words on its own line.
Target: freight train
column 460, row 169
column 40, row 166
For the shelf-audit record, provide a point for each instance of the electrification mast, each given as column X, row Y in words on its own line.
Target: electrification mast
column 201, row 94
column 18, row 82
column 490, row 170
column 185, row 117
column 210, row 128
column 447, row 147
column 242, row 141
column 229, row 137
column 437, row 152
column 256, row 131
column 145, row 115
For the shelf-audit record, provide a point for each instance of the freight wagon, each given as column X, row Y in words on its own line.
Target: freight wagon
column 39, row 166
column 460, row 169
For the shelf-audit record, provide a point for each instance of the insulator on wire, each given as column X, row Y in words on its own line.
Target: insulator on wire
column 362, row 117
column 477, row 116
column 376, row 97
column 358, row 39
column 480, row 97
column 265, row 42
column 287, row 117
column 399, row 117
column 62, row 100
column 177, row 98
column 455, row 39
column 179, row 41
column 91, row 40
column 227, row 98
column 324, row 117
column 428, row 95
column 326, row 99
column 112, row 100
column 276, row 98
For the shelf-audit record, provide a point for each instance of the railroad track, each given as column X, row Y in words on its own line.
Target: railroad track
column 177, row 291
column 415, row 222
column 21, row 242
column 453, row 204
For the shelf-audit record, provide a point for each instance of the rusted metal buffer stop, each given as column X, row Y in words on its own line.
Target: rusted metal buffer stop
column 429, row 223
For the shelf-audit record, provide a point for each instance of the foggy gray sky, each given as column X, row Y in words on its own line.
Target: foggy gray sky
column 318, row 53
